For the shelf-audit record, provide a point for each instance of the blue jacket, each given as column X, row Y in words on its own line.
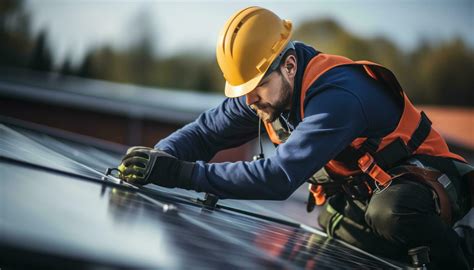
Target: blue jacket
column 343, row 104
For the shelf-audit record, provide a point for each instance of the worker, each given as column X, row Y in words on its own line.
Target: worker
column 385, row 179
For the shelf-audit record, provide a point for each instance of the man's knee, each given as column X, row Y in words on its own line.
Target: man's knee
column 381, row 218
column 391, row 212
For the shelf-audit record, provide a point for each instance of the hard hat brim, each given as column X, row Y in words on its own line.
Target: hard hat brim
column 233, row 91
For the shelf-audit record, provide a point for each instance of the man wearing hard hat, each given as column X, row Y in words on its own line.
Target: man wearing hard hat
column 385, row 179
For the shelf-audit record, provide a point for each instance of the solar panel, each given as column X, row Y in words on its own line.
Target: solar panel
column 56, row 211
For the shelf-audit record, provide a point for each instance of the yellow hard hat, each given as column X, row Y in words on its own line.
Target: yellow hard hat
column 247, row 45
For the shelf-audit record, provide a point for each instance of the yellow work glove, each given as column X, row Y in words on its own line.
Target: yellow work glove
column 143, row 165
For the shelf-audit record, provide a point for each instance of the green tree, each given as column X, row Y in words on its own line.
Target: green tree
column 41, row 57
column 445, row 73
column 67, row 68
column 15, row 42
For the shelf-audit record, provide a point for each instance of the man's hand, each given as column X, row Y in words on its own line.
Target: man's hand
column 144, row 165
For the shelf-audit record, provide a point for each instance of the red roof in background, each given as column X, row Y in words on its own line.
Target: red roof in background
column 454, row 123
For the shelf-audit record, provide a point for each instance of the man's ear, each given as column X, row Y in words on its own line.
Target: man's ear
column 289, row 67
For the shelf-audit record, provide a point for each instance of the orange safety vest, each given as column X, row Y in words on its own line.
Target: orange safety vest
column 413, row 134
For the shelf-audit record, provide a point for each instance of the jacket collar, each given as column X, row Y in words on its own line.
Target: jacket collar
column 304, row 54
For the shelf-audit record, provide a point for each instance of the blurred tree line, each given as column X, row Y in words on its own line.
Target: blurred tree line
column 440, row 73
column 17, row 46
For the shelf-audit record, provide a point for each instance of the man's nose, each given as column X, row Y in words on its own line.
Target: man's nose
column 251, row 98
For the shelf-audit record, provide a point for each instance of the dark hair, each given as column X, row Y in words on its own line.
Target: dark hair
column 285, row 56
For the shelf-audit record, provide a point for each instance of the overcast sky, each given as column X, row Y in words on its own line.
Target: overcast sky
column 76, row 25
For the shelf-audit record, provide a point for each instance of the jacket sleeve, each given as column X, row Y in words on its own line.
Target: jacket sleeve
column 230, row 124
column 332, row 120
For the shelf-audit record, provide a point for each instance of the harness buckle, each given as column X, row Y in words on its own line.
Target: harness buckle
column 317, row 191
column 368, row 166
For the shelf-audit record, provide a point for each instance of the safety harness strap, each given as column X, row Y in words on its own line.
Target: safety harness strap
column 420, row 134
column 371, row 145
column 373, row 162
column 350, row 154
column 368, row 166
column 392, row 154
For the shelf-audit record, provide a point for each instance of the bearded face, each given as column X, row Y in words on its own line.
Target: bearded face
column 271, row 97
